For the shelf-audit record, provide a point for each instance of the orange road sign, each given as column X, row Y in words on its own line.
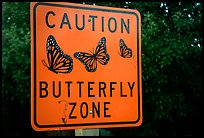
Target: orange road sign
column 85, row 66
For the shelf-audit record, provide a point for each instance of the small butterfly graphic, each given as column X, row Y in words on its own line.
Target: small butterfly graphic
column 125, row 52
column 90, row 59
column 57, row 61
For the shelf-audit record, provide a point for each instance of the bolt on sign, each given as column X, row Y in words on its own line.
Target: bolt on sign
column 85, row 66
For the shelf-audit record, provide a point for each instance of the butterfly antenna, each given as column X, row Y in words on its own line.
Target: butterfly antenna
column 44, row 63
column 92, row 52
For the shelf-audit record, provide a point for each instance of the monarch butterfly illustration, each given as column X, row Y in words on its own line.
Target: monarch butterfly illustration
column 57, row 61
column 125, row 52
column 90, row 59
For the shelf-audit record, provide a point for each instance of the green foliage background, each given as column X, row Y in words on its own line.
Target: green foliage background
column 171, row 69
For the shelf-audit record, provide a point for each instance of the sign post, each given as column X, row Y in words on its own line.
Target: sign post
column 87, row 132
column 85, row 67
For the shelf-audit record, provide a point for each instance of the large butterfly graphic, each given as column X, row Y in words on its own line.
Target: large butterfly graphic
column 57, row 61
column 90, row 59
column 125, row 52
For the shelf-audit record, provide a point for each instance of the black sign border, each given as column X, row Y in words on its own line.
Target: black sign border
column 34, row 55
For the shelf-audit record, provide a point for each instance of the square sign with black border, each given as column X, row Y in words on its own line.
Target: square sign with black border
column 85, row 66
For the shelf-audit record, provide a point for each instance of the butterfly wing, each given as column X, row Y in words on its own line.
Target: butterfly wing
column 53, row 51
column 64, row 64
column 88, row 60
column 57, row 61
column 101, row 52
column 125, row 52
